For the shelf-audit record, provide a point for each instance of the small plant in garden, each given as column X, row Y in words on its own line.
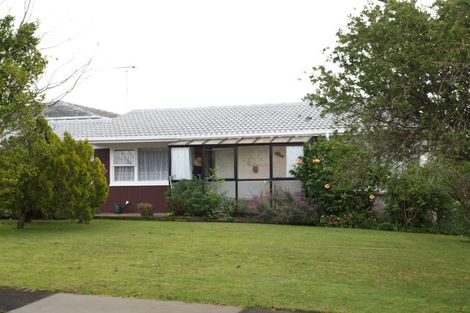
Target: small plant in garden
column 146, row 210
column 349, row 220
column 228, row 207
column 282, row 207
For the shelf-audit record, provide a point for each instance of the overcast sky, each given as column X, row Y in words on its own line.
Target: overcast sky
column 186, row 53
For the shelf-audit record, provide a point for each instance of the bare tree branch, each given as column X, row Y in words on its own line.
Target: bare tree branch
column 26, row 8
column 76, row 77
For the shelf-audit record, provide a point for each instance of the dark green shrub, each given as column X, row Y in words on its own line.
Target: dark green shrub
column 145, row 209
column 193, row 198
column 412, row 201
column 453, row 178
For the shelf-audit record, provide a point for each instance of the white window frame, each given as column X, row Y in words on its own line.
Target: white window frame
column 136, row 181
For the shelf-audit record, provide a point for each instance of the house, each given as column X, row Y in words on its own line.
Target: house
column 252, row 148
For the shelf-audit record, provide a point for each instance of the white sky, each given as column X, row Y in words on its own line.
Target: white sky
column 187, row 53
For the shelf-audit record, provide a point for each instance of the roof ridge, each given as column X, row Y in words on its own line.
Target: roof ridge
column 77, row 118
column 218, row 107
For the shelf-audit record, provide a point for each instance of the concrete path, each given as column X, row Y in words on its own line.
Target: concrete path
column 71, row 303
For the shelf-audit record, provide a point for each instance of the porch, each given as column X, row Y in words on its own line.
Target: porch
column 247, row 166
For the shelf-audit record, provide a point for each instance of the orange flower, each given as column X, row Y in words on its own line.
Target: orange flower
column 316, row 161
column 300, row 161
column 327, row 186
column 371, row 197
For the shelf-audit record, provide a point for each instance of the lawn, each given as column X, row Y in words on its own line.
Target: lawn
column 309, row 268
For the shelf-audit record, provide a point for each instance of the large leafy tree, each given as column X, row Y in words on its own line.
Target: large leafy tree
column 21, row 65
column 39, row 173
column 400, row 75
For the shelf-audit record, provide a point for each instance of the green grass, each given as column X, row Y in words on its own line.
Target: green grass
column 309, row 268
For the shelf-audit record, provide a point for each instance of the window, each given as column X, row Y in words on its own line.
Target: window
column 284, row 159
column 247, row 170
column 153, row 164
column 292, row 186
column 124, row 165
column 253, row 162
column 186, row 162
column 250, row 189
column 225, row 187
column 220, row 159
column 140, row 165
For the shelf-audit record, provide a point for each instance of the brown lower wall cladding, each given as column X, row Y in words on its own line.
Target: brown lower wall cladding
column 154, row 195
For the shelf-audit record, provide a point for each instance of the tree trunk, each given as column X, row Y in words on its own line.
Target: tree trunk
column 21, row 220
column 28, row 218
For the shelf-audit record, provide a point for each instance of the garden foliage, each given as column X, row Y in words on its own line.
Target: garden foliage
column 198, row 197
column 398, row 79
column 340, row 202
column 40, row 175
column 282, row 207
column 399, row 74
column 21, row 65
column 418, row 197
column 77, row 180
column 43, row 175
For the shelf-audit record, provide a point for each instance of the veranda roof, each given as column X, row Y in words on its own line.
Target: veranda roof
column 249, row 140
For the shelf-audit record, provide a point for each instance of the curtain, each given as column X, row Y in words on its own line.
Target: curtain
column 123, row 173
column 181, row 166
column 292, row 154
column 153, row 164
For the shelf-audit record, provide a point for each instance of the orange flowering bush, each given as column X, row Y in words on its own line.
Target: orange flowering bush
column 337, row 204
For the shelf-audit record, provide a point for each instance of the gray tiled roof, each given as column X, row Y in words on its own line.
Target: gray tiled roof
column 66, row 109
column 75, row 127
column 212, row 122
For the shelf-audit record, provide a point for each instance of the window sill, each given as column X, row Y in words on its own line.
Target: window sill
column 139, row 183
